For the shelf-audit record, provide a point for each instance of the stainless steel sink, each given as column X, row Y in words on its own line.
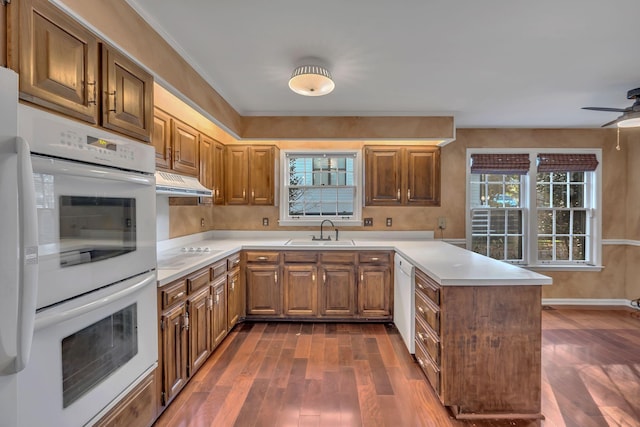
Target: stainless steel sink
column 294, row 242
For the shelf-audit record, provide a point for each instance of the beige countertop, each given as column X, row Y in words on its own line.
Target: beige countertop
column 447, row 264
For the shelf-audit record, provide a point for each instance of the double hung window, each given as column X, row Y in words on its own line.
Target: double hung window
column 535, row 207
column 321, row 185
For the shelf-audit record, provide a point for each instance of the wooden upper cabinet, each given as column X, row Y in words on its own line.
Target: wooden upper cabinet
column 161, row 139
column 186, row 148
column 218, row 173
column 237, row 175
column 423, row 176
column 261, row 170
column 127, row 94
column 402, row 176
column 383, row 182
column 58, row 61
column 250, row 174
column 206, row 166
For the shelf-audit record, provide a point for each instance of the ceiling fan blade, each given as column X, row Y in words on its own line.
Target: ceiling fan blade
column 616, row 110
column 611, row 122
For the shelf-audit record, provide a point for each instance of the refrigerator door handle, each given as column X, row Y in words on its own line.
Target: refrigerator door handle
column 28, row 273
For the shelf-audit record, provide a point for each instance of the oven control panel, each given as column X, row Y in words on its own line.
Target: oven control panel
column 57, row 136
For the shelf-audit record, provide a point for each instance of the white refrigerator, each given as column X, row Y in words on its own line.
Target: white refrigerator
column 18, row 250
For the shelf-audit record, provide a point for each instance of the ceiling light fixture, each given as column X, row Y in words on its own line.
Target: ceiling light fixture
column 311, row 80
column 631, row 120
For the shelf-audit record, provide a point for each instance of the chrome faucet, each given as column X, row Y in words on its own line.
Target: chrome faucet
column 321, row 235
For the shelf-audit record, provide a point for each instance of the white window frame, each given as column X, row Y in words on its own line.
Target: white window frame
column 593, row 190
column 354, row 220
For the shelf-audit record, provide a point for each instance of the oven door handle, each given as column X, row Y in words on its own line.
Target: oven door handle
column 93, row 301
column 64, row 167
column 28, row 271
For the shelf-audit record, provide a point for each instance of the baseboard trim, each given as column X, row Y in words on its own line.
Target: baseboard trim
column 587, row 301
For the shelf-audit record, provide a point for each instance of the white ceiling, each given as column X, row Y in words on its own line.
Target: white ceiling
column 489, row 63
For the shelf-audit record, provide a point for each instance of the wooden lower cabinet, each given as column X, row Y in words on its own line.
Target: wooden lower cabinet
column 320, row 285
column 219, row 310
column 300, row 290
column 263, row 290
column 234, row 298
column 495, row 339
column 174, row 351
column 199, row 327
column 337, row 290
column 137, row 409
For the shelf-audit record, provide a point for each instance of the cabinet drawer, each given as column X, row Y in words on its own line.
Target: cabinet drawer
column 429, row 340
column 429, row 368
column 233, row 261
column 265, row 257
column 218, row 269
column 428, row 287
column 428, row 311
column 173, row 292
column 338, row 257
column 198, row 280
column 374, row 257
column 301, row 256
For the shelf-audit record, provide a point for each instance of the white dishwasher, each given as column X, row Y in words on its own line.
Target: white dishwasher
column 404, row 301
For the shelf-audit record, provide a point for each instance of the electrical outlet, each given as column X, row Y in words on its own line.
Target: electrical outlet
column 265, row 222
column 368, row 222
column 201, row 222
column 442, row 223
column 389, row 222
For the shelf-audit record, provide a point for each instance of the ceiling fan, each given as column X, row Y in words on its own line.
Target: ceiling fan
column 630, row 116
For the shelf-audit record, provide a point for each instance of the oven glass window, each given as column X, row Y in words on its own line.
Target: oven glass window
column 92, row 354
column 96, row 228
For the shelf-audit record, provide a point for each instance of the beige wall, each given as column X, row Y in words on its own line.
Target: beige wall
column 631, row 145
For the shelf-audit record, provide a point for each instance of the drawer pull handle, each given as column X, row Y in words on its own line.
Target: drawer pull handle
column 375, row 258
column 421, row 310
column 178, row 295
column 262, row 258
column 313, row 277
column 324, row 277
column 275, row 277
column 186, row 321
column 398, row 198
column 408, row 194
column 420, row 362
column 420, row 286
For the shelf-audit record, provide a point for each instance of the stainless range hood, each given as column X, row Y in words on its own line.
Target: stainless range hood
column 171, row 184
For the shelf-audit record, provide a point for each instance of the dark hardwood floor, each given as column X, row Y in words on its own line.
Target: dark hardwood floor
column 317, row 374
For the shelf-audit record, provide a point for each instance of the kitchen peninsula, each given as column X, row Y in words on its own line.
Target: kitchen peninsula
column 478, row 320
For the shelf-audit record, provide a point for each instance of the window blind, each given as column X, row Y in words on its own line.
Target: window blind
column 500, row 164
column 552, row 162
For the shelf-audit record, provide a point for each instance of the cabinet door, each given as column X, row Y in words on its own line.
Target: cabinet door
column 382, row 176
column 174, row 352
column 234, row 298
column 186, row 148
column 127, row 95
column 199, row 329
column 374, row 291
column 261, row 170
column 161, row 139
column 237, row 175
column 58, row 61
column 206, row 166
column 218, row 173
column 337, row 290
column 219, row 295
column 423, row 176
column 263, row 290
column 300, row 290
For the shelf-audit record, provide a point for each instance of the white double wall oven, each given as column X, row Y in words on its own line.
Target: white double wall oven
column 81, row 213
